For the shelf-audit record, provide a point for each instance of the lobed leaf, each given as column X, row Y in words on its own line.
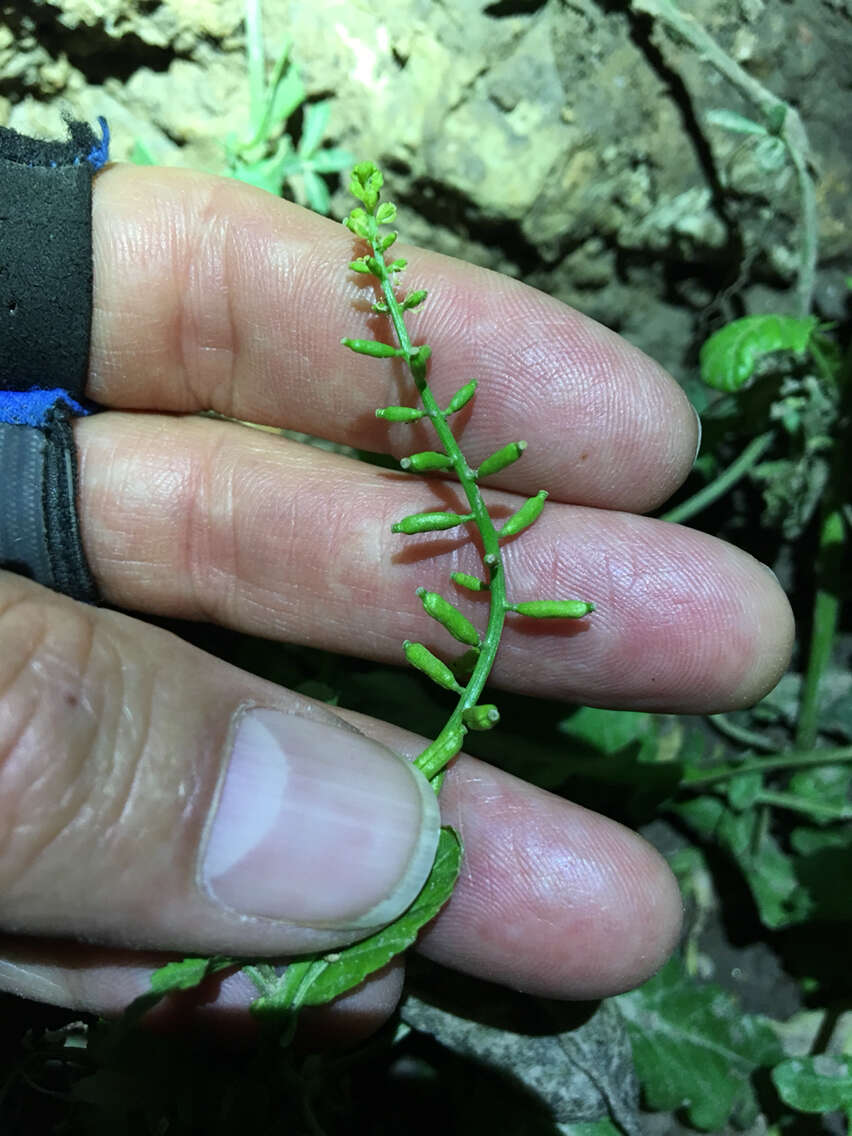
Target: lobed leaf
column 695, row 1049
column 729, row 357
column 822, row 1083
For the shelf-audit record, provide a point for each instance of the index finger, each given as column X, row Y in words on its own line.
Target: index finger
column 212, row 295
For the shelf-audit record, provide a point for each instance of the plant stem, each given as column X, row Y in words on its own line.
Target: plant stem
column 795, row 760
column 433, row 758
column 749, row 458
column 255, row 60
column 797, row 804
column 740, row 734
column 826, row 609
column 791, row 130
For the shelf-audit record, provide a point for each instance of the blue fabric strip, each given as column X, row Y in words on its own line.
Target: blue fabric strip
column 33, row 407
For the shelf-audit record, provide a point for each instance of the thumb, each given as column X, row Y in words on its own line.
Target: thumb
column 153, row 796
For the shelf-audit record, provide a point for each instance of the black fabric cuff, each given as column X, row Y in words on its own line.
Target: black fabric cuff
column 45, row 324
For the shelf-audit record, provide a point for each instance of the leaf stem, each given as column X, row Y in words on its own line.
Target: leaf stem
column 749, row 458
column 825, row 613
column 783, row 120
column 741, row 734
column 434, row 756
column 794, row 760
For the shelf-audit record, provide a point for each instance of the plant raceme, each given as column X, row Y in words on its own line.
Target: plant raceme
column 316, row 978
column 467, row 674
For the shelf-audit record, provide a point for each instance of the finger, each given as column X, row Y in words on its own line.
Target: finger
column 203, row 519
column 104, row 981
column 153, row 797
column 212, row 295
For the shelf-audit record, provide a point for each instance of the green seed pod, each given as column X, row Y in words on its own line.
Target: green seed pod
column 501, row 459
column 429, row 522
column 472, row 583
column 482, row 717
column 413, row 299
column 423, row 659
column 458, row 625
column 372, row 347
column 361, row 224
column 399, row 413
column 386, row 241
column 386, row 213
column 418, row 360
column 427, row 461
column 461, row 397
column 359, row 265
column 442, row 750
column 528, row 512
column 554, row 609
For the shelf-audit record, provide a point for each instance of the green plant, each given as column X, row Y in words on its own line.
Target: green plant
column 265, row 155
column 321, row 977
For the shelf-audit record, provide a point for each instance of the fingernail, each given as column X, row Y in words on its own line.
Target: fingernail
column 318, row 825
column 700, row 429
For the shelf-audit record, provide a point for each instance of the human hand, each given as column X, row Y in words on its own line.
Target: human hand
column 114, row 735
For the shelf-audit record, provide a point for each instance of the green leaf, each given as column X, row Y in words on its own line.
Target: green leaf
column 607, row 730
column 321, row 978
column 730, row 120
column 331, row 160
column 372, row 347
column 289, row 94
column 695, row 1049
column 186, row 973
column 744, row 790
column 769, row 871
column 313, row 127
column 316, row 192
column 729, row 357
column 815, row 1084
column 528, row 512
